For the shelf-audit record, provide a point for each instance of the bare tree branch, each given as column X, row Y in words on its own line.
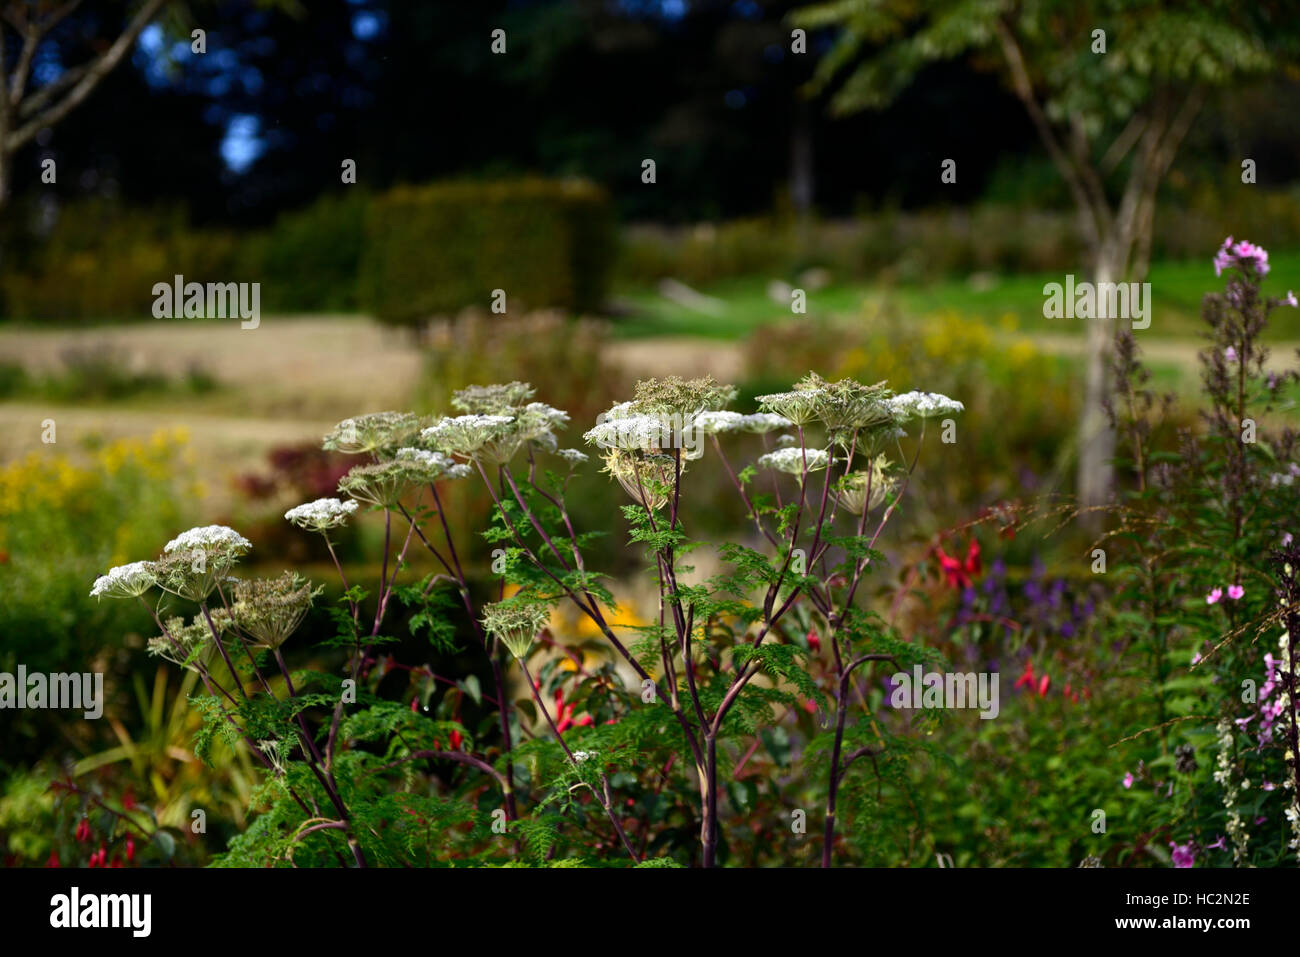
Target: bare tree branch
column 95, row 71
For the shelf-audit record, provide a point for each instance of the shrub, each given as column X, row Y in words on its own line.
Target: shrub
column 433, row 250
column 310, row 258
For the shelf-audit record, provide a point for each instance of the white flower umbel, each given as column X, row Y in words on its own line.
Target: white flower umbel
column 572, row 456
column 125, row 581
column 762, row 422
column 792, row 460
column 711, row 423
column 644, row 432
column 423, row 458
column 516, row 623
column 798, row 407
column 465, row 435
column 322, row 514
column 373, row 432
column 209, row 538
column 923, row 405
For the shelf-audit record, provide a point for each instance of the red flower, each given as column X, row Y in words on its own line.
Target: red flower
column 960, row 573
column 952, row 570
column 1027, row 676
column 54, row 859
column 130, row 850
column 83, row 830
column 415, row 705
column 814, row 642
column 1043, row 685
column 128, row 800
column 456, row 739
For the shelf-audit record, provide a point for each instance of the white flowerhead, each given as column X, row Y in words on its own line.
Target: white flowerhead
column 125, row 581
column 798, row 407
column 572, row 456
column 581, row 756
column 923, row 405
column 644, row 432
column 465, row 435
column 792, row 460
column 322, row 514
column 516, row 623
column 762, row 422
column 374, row 432
column 219, row 538
column 711, row 423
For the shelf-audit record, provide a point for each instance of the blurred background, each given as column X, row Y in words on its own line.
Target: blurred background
column 380, row 169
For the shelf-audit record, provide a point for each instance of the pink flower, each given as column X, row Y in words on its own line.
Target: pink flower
column 1184, row 856
column 1213, row 597
column 1235, row 592
column 1290, row 299
column 1286, row 539
column 1128, row 780
column 1230, row 354
column 1219, row 845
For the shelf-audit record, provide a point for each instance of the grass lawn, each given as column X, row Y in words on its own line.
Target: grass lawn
column 743, row 304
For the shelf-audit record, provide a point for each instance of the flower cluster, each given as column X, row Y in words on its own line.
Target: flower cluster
column 1245, row 255
column 125, row 581
column 793, row 460
column 322, row 514
column 377, row 433
column 516, row 623
column 270, row 610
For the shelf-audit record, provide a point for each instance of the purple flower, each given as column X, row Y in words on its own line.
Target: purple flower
column 1213, row 597
column 1230, row 354
column 1235, row 592
column 1290, row 299
column 1220, row 845
column 1128, row 780
column 1184, row 855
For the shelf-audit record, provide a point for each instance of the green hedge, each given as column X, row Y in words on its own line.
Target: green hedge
column 433, row 250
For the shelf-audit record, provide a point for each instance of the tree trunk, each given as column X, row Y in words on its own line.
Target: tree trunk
column 1096, row 438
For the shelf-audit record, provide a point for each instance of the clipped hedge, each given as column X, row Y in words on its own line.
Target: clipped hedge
column 433, row 250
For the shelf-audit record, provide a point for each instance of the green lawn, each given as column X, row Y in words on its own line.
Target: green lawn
column 1176, row 291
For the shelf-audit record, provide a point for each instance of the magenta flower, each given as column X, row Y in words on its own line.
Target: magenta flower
column 1213, row 597
column 1235, row 592
column 1220, row 845
column 1128, row 780
column 1184, row 855
column 1230, row 354
column 1290, row 299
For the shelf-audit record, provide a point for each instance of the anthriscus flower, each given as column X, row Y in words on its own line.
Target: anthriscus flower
column 572, row 456
column 466, row 435
column 792, row 460
column 322, row 514
column 500, row 399
column 376, row 432
column 796, row 407
column 125, row 581
column 381, row 484
column 425, row 466
column 711, row 423
column 763, row 422
column 271, row 609
column 855, row 487
column 923, row 405
column 195, row 562
column 648, row 479
column 646, row 433
column 214, row 538
column 189, row 645
column 516, row 623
